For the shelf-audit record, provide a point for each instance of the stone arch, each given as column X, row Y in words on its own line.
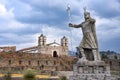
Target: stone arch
column 55, row 54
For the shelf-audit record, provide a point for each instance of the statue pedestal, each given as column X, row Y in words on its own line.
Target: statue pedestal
column 91, row 70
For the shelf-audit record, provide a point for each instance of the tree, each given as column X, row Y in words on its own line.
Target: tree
column 104, row 56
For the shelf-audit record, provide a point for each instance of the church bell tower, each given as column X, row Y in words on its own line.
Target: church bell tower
column 42, row 40
column 64, row 45
column 64, row 42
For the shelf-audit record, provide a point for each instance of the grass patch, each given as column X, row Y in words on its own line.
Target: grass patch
column 115, row 73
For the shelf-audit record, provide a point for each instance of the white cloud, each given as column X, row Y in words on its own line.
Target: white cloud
column 107, row 28
column 7, row 20
column 116, row 5
column 2, row 10
column 4, row 13
column 54, row 33
column 20, row 42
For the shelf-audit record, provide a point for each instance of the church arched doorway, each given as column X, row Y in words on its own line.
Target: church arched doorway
column 55, row 54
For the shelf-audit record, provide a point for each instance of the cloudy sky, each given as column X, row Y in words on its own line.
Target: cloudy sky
column 22, row 21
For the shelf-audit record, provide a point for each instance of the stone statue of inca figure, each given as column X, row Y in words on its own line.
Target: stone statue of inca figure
column 89, row 40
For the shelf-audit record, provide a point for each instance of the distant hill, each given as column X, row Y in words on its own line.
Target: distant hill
column 71, row 53
column 108, row 52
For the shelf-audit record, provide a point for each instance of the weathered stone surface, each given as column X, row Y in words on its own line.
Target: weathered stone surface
column 91, row 70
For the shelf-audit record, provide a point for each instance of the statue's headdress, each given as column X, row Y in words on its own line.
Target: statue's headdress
column 85, row 12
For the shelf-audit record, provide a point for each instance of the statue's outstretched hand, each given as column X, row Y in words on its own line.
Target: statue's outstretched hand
column 70, row 25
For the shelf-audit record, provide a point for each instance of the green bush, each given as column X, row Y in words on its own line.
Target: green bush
column 29, row 75
column 7, row 76
column 64, row 78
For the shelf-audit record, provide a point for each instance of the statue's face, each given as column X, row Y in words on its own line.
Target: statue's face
column 87, row 15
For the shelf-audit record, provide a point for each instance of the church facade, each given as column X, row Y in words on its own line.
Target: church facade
column 54, row 49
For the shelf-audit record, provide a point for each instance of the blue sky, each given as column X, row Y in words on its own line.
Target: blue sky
column 22, row 21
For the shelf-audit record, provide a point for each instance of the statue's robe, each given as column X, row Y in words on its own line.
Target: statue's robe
column 89, row 40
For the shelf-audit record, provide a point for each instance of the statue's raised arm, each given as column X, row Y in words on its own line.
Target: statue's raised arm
column 75, row 25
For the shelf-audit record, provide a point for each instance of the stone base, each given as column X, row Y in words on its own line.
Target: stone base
column 91, row 70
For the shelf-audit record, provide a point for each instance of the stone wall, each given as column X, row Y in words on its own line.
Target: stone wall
column 8, row 49
column 21, row 61
column 65, row 73
column 114, row 64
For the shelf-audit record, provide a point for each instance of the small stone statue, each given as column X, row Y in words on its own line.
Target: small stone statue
column 89, row 40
